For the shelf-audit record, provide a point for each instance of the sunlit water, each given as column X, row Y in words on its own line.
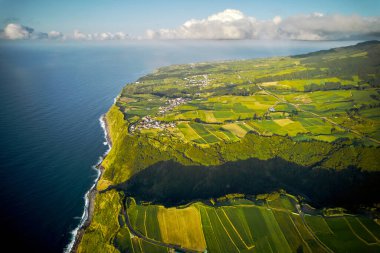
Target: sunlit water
column 51, row 98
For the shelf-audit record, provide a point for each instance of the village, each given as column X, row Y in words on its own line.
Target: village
column 172, row 103
column 147, row 122
column 194, row 81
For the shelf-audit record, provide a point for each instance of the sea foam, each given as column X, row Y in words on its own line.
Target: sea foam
column 85, row 214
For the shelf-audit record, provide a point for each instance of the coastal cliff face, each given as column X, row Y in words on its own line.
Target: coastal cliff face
column 258, row 126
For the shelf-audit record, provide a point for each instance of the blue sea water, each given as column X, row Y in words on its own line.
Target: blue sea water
column 51, row 98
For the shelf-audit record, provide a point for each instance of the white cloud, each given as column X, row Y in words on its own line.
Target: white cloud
column 229, row 24
column 80, row 36
column 99, row 36
column 318, row 26
column 233, row 24
column 16, row 31
column 120, row 36
column 277, row 20
column 19, row 32
column 55, row 35
column 228, row 15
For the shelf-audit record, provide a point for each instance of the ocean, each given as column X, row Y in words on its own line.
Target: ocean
column 52, row 95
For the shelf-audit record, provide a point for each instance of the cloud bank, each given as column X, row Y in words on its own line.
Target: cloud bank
column 233, row 24
column 20, row 32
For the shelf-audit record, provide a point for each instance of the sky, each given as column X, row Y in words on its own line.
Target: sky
column 165, row 19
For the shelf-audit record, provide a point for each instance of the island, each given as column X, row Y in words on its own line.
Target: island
column 266, row 155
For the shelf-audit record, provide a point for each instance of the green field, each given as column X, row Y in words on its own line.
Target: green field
column 340, row 236
column 242, row 226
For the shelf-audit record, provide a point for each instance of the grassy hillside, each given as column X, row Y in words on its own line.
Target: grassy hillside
column 317, row 114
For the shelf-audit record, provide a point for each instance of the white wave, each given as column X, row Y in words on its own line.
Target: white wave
column 103, row 125
column 115, row 99
column 85, row 214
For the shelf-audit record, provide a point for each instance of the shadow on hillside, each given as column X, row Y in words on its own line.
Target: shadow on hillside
column 171, row 183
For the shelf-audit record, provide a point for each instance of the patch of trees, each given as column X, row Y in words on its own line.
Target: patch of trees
column 170, row 93
column 328, row 86
column 223, row 90
column 305, row 74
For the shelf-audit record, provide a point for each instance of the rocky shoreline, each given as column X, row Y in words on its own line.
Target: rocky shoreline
column 90, row 196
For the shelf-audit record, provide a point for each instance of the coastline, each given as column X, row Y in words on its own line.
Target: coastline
column 90, row 195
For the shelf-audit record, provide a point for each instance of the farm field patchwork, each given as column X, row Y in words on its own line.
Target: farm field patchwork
column 239, row 225
column 320, row 115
